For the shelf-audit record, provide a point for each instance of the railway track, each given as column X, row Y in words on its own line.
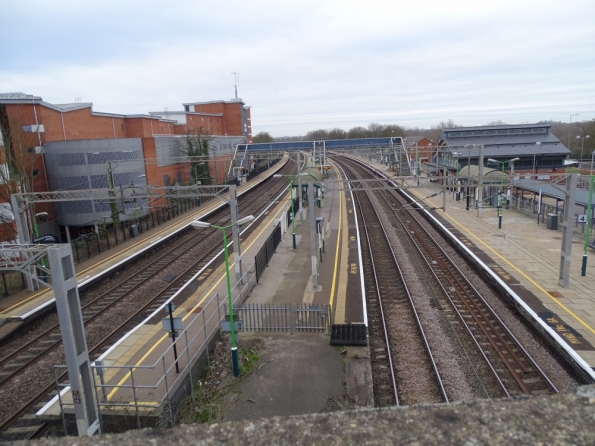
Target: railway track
column 509, row 369
column 402, row 360
column 141, row 292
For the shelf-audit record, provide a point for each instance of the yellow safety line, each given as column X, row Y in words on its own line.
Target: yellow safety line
column 124, row 251
column 332, row 298
column 125, row 378
column 587, row 326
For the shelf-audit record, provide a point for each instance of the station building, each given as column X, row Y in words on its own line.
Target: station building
column 50, row 147
column 535, row 146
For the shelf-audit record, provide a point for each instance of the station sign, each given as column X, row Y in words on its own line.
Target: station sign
column 226, row 326
column 581, row 218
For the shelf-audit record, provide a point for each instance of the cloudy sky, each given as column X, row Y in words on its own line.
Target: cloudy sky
column 309, row 64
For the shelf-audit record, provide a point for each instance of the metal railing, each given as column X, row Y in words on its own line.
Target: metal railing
column 141, row 391
column 290, row 318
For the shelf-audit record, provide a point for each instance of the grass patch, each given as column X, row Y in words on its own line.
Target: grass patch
column 211, row 396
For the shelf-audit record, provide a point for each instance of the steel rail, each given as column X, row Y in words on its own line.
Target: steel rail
column 412, row 303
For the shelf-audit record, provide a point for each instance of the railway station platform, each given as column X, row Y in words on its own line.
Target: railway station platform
column 139, row 372
column 526, row 255
column 26, row 305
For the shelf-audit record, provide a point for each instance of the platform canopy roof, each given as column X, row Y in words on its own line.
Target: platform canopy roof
column 490, row 175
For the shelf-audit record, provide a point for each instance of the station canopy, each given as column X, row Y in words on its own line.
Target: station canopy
column 490, row 176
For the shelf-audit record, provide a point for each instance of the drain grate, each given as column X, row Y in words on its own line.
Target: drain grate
column 349, row 334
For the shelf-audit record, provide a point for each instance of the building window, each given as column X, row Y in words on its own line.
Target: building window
column 122, row 127
column 35, row 173
column 30, row 149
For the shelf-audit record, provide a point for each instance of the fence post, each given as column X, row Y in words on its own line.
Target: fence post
column 204, row 327
column 135, row 399
column 189, row 364
column 292, row 316
column 5, row 285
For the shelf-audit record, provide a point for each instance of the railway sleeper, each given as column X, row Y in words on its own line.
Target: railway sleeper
column 21, row 430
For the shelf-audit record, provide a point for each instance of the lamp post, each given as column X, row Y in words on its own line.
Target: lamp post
column 502, row 163
column 456, row 155
column 204, row 174
column 582, row 144
column 592, row 154
column 570, row 128
column 291, row 178
column 232, row 331
column 538, row 144
column 135, row 202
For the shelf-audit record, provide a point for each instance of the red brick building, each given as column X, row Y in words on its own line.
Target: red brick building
column 54, row 146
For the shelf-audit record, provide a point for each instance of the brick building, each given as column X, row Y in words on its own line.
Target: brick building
column 71, row 147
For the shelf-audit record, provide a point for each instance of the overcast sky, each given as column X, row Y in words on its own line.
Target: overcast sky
column 309, row 64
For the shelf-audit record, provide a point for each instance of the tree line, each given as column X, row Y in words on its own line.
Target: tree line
column 572, row 135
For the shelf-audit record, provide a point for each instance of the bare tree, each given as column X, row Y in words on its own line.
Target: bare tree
column 337, row 133
column 262, row 137
column 357, row 132
column 317, row 135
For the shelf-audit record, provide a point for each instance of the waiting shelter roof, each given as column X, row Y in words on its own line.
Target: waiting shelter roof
column 490, row 175
column 549, row 190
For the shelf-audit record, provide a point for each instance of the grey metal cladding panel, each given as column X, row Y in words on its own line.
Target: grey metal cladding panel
column 99, row 181
column 168, row 147
column 94, row 145
column 70, row 183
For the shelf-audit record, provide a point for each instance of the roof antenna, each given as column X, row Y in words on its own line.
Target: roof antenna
column 235, row 80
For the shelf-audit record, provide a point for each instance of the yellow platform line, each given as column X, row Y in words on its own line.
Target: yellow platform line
column 568, row 310
column 207, row 294
column 336, row 267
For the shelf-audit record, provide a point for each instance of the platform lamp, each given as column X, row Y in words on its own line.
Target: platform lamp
column 291, row 178
column 458, row 193
column 232, row 331
column 538, row 146
column 582, row 144
column 502, row 163
column 591, row 181
column 589, row 219
column 136, row 212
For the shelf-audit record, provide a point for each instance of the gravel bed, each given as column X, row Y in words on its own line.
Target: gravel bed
column 535, row 346
column 462, row 368
column 443, row 352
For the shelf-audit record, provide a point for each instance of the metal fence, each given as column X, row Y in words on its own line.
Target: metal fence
column 144, row 389
column 88, row 245
column 292, row 318
column 265, row 254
